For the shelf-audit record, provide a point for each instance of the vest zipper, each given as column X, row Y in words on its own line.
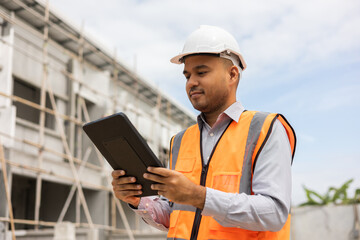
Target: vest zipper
column 197, row 219
column 204, row 171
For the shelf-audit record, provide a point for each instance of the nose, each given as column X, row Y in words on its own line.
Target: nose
column 192, row 82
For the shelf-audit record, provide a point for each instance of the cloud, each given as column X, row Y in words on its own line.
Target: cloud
column 307, row 35
column 273, row 36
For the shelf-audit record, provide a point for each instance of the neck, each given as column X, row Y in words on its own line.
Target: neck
column 211, row 117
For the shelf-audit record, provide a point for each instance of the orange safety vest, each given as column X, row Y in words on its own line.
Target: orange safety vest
column 230, row 169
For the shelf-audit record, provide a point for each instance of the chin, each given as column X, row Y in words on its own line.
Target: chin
column 200, row 108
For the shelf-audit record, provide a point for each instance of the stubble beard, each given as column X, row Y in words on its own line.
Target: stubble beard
column 212, row 105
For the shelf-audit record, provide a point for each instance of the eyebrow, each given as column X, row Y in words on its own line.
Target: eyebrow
column 196, row 68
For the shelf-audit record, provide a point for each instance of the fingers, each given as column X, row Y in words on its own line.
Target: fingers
column 154, row 178
column 125, row 184
column 124, row 187
column 129, row 197
column 160, row 171
column 125, row 194
column 126, row 190
column 117, row 173
column 158, row 187
column 131, row 186
column 123, row 180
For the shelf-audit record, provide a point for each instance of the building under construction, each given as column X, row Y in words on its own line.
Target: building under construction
column 53, row 79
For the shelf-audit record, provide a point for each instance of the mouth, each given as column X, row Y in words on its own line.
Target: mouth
column 195, row 93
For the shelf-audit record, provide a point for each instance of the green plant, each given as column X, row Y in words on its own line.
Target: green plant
column 333, row 195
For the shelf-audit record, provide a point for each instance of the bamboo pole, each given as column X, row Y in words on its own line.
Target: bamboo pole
column 7, row 191
column 87, row 119
column 117, row 202
column 113, row 212
column 51, row 173
column 123, row 217
column 77, row 209
column 156, row 135
column 115, row 73
column 52, row 224
column 73, row 188
column 72, row 165
column 38, row 107
column 42, row 113
column 79, row 135
column 78, row 103
column 56, row 153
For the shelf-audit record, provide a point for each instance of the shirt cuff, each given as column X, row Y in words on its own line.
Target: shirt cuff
column 216, row 204
column 146, row 211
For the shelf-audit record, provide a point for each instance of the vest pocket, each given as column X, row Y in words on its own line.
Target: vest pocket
column 226, row 182
column 185, row 164
column 216, row 231
column 180, row 224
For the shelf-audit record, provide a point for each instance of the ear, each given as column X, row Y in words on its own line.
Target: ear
column 234, row 75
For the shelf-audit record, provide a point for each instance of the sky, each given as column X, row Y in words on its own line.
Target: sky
column 303, row 61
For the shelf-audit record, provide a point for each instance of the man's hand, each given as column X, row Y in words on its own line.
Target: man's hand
column 176, row 187
column 125, row 188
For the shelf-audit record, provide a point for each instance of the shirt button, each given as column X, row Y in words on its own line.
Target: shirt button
column 211, row 134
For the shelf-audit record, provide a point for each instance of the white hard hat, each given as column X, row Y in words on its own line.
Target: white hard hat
column 211, row 39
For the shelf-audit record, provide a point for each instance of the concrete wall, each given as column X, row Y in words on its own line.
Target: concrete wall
column 6, row 59
column 325, row 222
column 27, row 62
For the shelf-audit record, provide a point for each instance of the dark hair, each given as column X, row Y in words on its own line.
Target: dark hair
column 182, row 60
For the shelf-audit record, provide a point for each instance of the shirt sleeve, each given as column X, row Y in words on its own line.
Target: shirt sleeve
column 154, row 211
column 268, row 208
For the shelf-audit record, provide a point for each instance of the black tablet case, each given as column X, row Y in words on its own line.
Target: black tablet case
column 123, row 147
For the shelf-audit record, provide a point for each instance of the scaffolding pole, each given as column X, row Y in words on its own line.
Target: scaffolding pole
column 72, row 165
column 7, row 190
column 42, row 113
column 117, row 201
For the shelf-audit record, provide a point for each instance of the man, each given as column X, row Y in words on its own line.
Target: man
column 230, row 174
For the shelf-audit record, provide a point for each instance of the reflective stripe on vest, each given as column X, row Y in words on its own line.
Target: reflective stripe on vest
column 231, row 170
column 253, row 136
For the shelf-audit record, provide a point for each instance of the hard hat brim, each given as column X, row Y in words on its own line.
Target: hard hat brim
column 178, row 58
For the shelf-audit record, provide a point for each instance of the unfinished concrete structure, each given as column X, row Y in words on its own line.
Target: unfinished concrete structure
column 53, row 79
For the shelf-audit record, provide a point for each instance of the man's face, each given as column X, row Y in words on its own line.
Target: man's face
column 207, row 86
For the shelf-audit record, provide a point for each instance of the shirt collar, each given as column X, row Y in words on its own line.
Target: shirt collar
column 233, row 112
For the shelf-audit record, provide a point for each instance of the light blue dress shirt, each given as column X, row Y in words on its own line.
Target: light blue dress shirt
column 266, row 210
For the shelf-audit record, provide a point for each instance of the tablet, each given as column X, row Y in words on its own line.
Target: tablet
column 123, row 147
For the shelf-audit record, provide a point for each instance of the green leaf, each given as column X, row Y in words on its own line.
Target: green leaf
column 333, row 195
column 313, row 197
column 340, row 195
